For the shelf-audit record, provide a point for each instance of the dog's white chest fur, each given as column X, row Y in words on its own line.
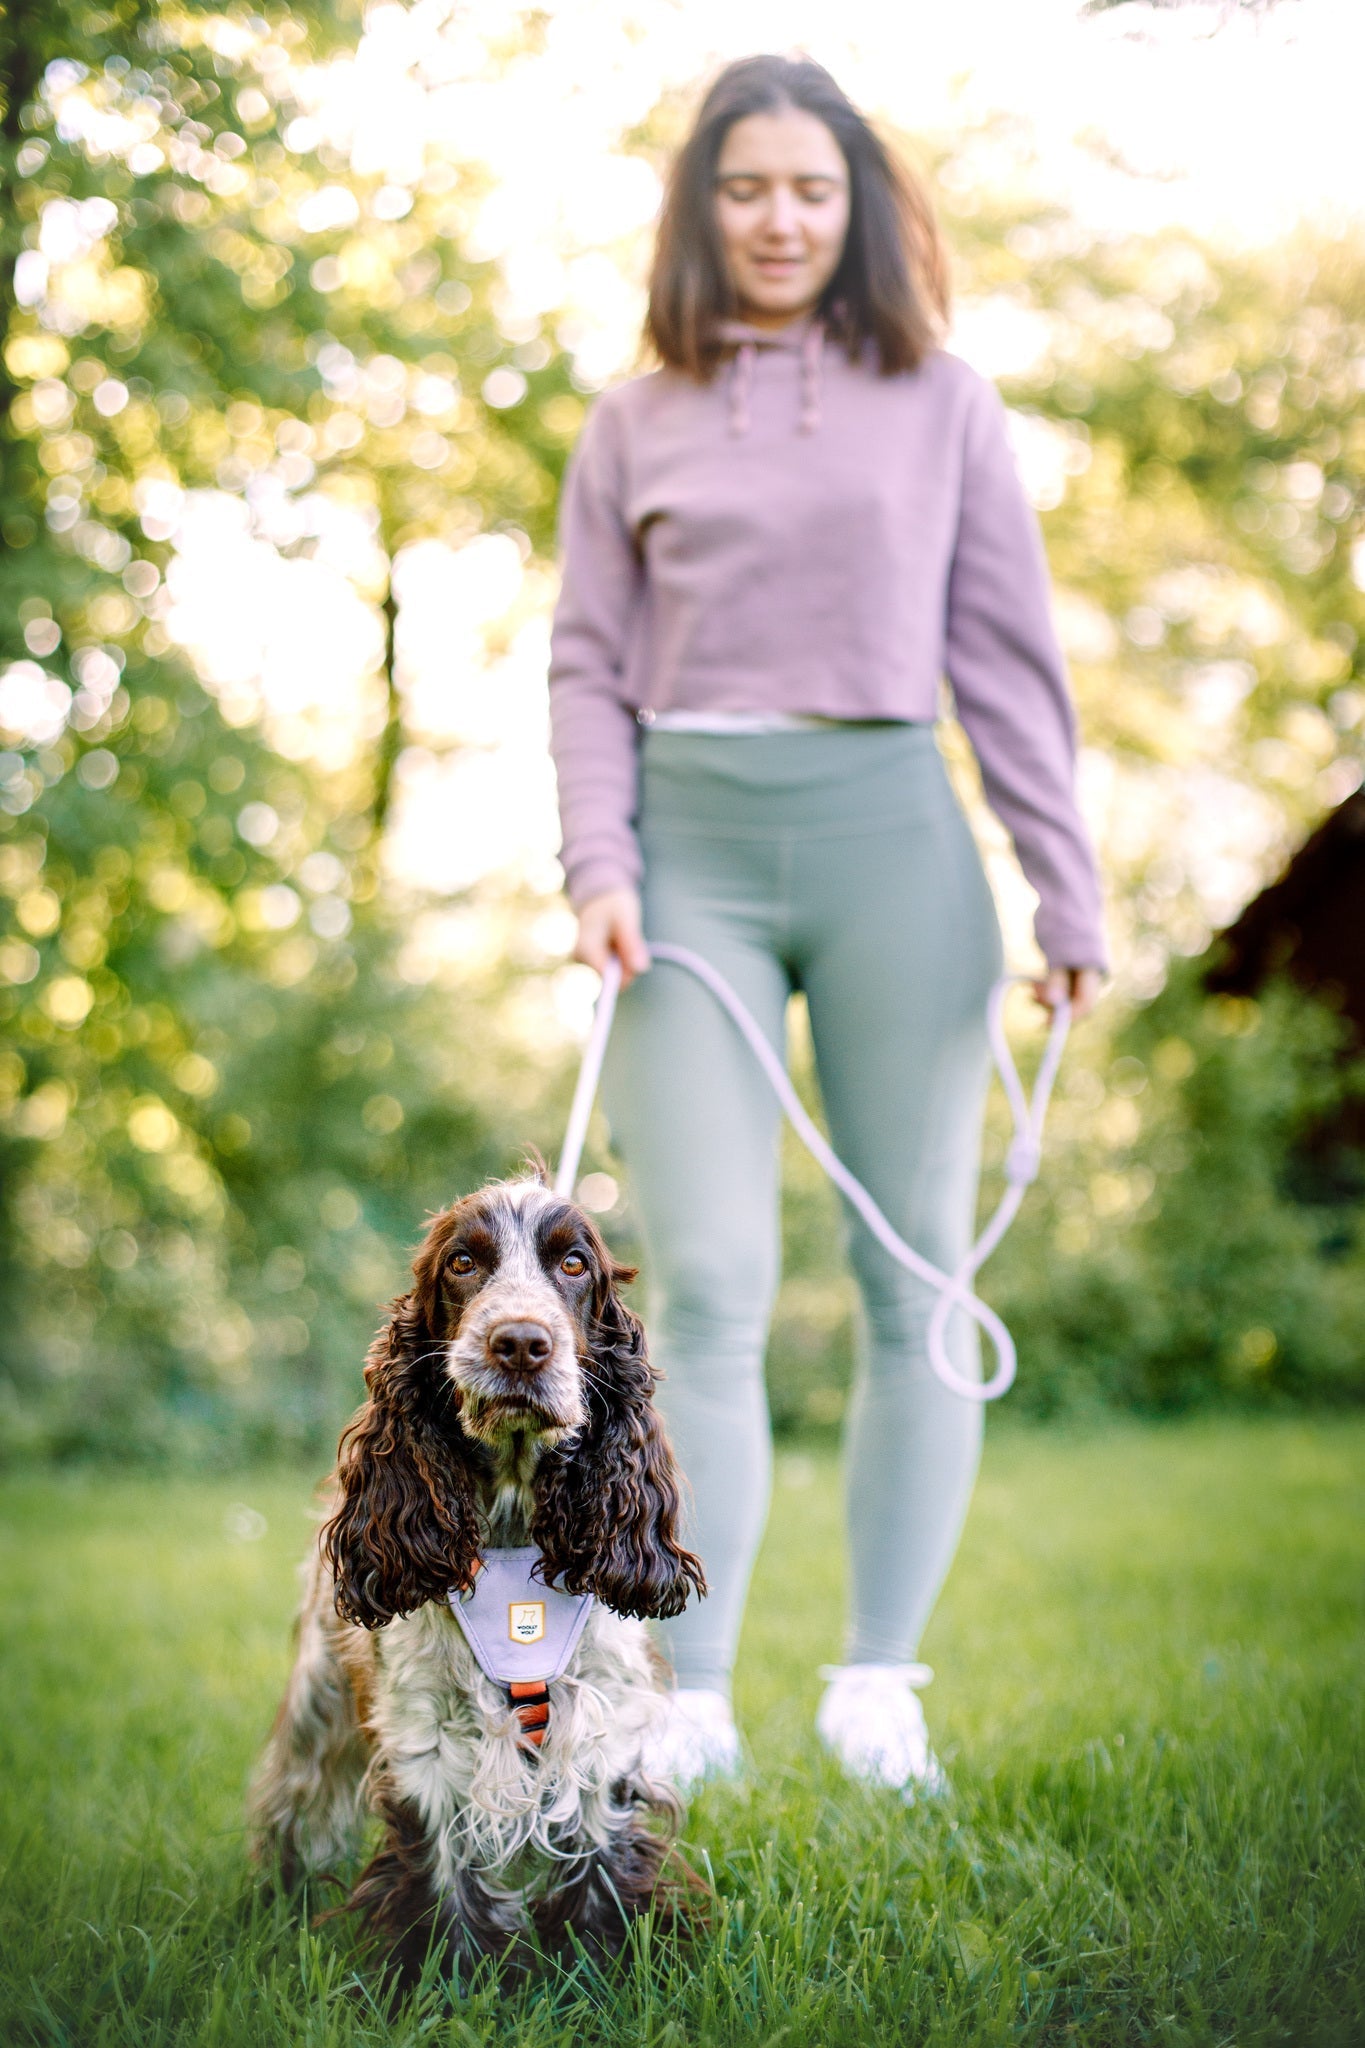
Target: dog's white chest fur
column 452, row 1745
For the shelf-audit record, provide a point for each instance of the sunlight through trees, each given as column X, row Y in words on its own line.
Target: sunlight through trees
column 281, row 453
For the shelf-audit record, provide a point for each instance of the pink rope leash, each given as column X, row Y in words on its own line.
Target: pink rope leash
column 954, row 1290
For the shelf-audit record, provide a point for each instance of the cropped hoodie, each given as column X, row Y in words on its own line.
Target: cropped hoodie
column 804, row 535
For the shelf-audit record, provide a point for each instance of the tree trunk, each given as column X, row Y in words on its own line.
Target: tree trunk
column 391, row 739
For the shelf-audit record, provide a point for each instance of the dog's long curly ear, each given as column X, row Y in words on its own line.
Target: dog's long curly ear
column 405, row 1529
column 608, row 1504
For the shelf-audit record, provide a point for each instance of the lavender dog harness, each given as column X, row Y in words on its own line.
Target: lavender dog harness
column 522, row 1632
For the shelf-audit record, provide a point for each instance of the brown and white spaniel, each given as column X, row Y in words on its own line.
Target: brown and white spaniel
column 510, row 1408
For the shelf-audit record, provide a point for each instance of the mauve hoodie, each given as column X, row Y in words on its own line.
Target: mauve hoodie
column 805, row 535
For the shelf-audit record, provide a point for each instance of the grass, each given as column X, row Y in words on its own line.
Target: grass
column 1150, row 1700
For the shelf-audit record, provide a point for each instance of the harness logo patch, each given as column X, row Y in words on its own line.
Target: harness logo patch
column 526, row 1621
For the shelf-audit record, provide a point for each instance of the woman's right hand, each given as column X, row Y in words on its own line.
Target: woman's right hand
column 612, row 923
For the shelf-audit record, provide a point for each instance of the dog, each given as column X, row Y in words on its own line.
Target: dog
column 509, row 1447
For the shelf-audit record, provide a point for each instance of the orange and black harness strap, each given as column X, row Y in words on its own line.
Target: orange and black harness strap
column 531, row 1704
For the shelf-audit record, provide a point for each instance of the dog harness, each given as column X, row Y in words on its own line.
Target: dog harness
column 521, row 1631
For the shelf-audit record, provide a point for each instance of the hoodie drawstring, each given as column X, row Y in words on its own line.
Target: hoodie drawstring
column 812, row 346
column 742, row 380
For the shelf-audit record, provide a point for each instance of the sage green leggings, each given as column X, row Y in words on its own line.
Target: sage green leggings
column 838, row 863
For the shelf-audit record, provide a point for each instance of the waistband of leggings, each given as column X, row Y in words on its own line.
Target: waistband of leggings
column 848, row 778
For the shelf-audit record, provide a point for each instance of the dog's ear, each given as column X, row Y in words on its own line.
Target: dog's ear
column 405, row 1529
column 607, row 1504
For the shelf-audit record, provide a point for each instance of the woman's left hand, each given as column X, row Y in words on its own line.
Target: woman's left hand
column 1078, row 985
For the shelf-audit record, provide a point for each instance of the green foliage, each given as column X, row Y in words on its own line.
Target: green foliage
column 1195, row 1234
column 225, row 1110
column 1197, row 1238
column 224, row 1106
column 1195, row 420
column 1149, row 1695
column 200, row 1244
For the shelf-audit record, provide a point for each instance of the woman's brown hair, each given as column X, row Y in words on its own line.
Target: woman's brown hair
column 891, row 286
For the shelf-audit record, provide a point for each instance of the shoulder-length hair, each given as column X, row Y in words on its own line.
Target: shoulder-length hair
column 891, row 286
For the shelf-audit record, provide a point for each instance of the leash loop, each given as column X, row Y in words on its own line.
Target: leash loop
column 954, row 1290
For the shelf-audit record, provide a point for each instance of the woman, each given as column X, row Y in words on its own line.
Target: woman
column 774, row 547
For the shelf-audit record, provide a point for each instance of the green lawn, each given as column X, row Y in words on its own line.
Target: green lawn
column 1152, row 1668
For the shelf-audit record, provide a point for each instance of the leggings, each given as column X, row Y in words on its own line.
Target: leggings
column 838, row 863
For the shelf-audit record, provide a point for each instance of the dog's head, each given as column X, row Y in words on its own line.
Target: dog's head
column 512, row 1365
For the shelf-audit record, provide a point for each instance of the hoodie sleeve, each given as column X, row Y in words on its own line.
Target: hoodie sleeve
column 593, row 733
column 1009, row 682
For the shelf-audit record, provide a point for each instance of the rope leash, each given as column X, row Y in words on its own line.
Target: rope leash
column 954, row 1290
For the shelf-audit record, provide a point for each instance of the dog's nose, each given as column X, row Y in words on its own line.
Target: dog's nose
column 520, row 1347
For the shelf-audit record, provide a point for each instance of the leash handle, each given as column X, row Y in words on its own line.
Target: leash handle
column 954, row 1290
column 589, row 1074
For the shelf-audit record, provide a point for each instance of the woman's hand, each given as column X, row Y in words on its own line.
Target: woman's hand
column 611, row 923
column 1078, row 985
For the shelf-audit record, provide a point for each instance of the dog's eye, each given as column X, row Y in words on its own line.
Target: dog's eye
column 573, row 1263
column 461, row 1263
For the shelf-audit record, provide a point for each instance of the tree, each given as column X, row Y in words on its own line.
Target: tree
column 211, row 1051
column 222, row 1103
column 1190, row 425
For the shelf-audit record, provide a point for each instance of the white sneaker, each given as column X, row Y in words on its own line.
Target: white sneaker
column 873, row 1722
column 696, row 1740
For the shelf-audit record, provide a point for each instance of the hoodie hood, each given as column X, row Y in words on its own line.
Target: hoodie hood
column 802, row 338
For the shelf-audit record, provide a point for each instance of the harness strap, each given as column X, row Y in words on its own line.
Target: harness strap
column 522, row 1633
column 530, row 1699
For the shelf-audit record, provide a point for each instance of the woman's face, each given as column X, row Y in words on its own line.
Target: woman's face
column 782, row 210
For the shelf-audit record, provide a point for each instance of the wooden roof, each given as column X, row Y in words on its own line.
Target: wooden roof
column 1309, row 924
